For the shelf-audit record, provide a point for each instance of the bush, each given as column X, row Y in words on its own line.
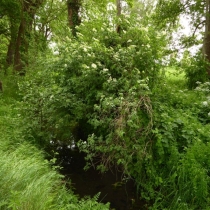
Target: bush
column 62, row 95
column 196, row 70
column 203, row 90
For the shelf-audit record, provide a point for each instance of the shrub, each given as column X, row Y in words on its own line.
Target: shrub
column 196, row 70
column 61, row 95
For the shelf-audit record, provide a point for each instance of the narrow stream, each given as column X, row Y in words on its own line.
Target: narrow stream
column 120, row 195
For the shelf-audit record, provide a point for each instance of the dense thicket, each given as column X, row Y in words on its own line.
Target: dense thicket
column 106, row 83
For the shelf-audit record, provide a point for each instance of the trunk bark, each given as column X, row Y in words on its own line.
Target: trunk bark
column 119, row 11
column 29, row 8
column 10, row 53
column 73, row 7
column 11, row 46
column 206, row 41
column 20, row 49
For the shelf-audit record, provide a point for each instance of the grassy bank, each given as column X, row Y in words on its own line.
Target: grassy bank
column 27, row 180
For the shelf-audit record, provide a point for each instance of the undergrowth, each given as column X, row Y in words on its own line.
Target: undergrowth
column 178, row 168
column 27, row 180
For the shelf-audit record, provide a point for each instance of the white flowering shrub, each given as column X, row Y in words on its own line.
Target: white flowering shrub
column 103, row 86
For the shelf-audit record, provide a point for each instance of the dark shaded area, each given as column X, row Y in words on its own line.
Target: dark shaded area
column 114, row 188
column 1, row 86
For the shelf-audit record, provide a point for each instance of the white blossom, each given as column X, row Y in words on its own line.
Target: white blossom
column 109, row 80
column 105, row 70
column 93, row 65
column 55, row 53
column 205, row 103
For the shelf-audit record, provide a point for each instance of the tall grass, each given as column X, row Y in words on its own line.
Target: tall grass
column 10, row 85
column 27, row 182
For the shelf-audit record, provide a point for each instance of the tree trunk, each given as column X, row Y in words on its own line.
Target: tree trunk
column 206, row 41
column 12, row 41
column 20, row 47
column 119, row 10
column 10, row 52
column 29, row 8
column 73, row 7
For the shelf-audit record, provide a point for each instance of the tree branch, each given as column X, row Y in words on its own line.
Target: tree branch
column 198, row 27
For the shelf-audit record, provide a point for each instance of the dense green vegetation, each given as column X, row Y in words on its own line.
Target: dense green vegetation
column 111, row 83
column 28, row 180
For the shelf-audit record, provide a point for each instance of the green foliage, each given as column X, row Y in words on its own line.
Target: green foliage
column 37, row 99
column 65, row 92
column 193, row 177
column 167, row 13
column 105, row 88
column 107, row 78
column 196, row 70
column 3, row 45
column 204, row 113
column 170, row 13
column 172, row 170
column 27, row 180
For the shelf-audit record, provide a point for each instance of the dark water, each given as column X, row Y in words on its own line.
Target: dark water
column 120, row 194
